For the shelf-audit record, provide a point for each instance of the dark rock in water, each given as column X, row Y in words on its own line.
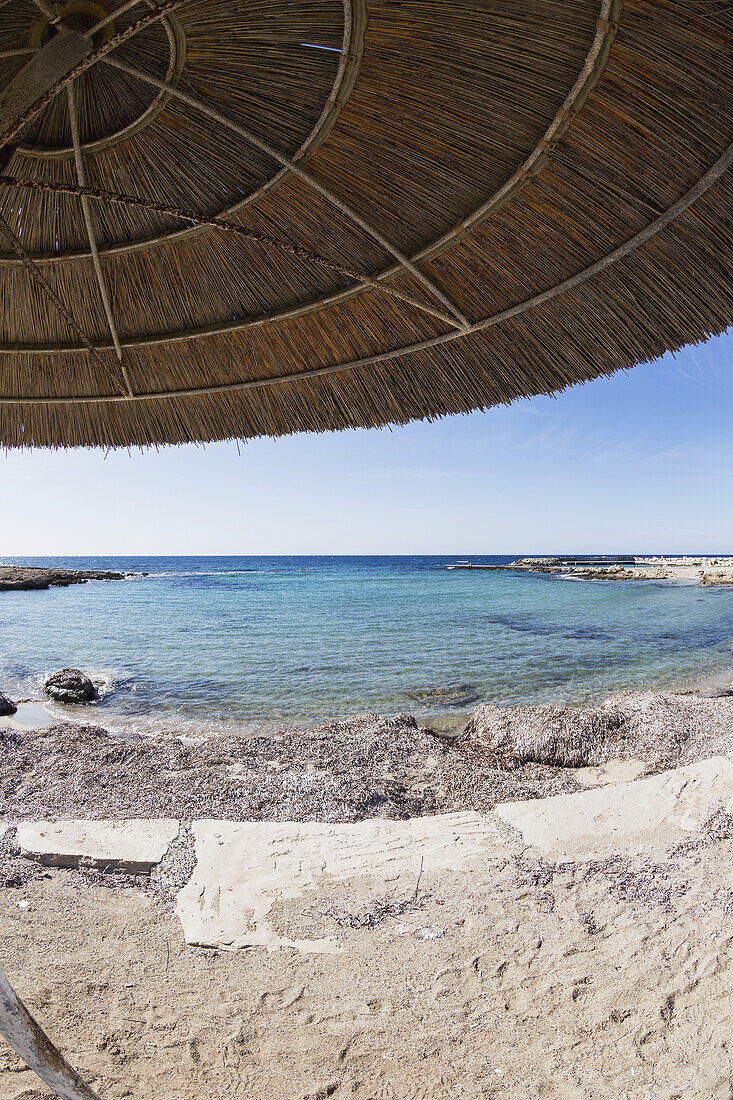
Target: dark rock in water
column 22, row 578
column 7, row 706
column 70, row 685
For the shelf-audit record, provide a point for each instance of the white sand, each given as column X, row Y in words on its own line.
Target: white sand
column 471, row 961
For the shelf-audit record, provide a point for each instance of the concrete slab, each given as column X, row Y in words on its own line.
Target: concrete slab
column 613, row 771
column 134, row 846
column 242, row 869
column 608, row 820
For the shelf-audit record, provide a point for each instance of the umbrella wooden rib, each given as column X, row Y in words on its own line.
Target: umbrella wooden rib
column 334, row 200
column 84, row 192
column 508, row 199
column 81, row 176
column 721, row 166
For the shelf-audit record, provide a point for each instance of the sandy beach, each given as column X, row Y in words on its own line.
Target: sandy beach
column 523, row 978
column 420, row 933
column 309, row 311
column 511, row 901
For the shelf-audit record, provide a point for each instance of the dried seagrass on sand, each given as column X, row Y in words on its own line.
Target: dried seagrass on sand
column 237, row 219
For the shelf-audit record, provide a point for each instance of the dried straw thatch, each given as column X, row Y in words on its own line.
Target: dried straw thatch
column 430, row 207
column 560, row 736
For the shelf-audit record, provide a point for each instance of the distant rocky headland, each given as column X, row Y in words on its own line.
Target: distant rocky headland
column 17, row 578
column 707, row 571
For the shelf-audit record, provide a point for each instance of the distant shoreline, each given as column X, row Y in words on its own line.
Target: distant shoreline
column 707, row 571
column 451, row 642
column 27, row 578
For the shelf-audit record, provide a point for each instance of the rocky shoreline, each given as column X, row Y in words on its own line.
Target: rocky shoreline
column 706, row 571
column 25, row 578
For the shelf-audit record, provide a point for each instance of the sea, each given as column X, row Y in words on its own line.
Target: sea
column 214, row 645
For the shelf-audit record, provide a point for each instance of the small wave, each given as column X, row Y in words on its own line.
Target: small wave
column 162, row 723
column 203, row 573
column 106, row 681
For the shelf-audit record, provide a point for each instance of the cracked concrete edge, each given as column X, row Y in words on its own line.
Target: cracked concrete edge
column 132, row 846
column 246, row 869
column 199, row 858
column 179, row 861
column 172, row 871
column 640, row 813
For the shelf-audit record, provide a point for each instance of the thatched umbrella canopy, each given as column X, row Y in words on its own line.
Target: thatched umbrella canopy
column 225, row 219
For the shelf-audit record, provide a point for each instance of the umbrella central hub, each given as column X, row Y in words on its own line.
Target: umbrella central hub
column 112, row 105
column 80, row 15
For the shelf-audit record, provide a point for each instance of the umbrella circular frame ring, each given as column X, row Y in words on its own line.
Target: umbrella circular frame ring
column 593, row 64
column 94, row 13
column 337, row 96
column 707, row 181
column 389, row 341
column 592, row 68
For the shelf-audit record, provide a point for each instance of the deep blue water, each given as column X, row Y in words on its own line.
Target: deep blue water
column 212, row 644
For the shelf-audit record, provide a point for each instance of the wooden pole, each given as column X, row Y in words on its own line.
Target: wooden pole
column 28, row 1040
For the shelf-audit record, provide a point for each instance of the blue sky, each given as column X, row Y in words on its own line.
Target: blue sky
column 639, row 462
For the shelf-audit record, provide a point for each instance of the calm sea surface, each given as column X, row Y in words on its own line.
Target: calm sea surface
column 221, row 644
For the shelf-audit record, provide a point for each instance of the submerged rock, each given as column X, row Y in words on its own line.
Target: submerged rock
column 7, row 706
column 448, row 695
column 70, row 685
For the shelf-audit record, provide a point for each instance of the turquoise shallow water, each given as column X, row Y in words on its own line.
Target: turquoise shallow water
column 207, row 645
